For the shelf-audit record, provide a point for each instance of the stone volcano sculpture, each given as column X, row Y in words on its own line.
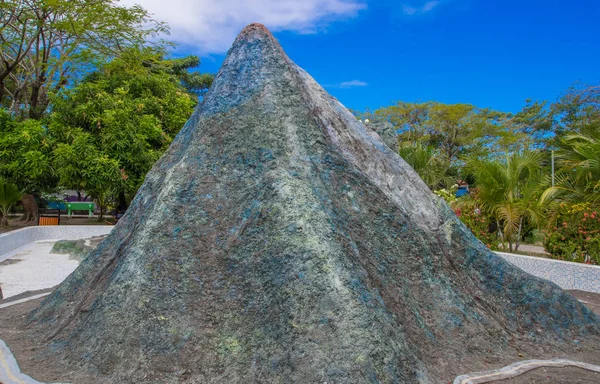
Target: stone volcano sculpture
column 279, row 240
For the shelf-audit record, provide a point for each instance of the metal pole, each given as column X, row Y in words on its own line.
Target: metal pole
column 553, row 168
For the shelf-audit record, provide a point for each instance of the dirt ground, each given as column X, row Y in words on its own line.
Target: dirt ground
column 590, row 300
column 13, row 332
column 26, row 352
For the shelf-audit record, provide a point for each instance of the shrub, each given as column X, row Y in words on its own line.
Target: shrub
column 482, row 226
column 576, row 236
column 9, row 194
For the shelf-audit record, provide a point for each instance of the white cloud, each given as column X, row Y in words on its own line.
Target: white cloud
column 210, row 26
column 347, row 84
column 429, row 6
column 410, row 10
column 353, row 83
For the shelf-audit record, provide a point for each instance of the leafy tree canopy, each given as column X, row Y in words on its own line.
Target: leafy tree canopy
column 25, row 154
column 114, row 125
column 509, row 190
column 455, row 129
column 577, row 111
column 460, row 130
column 47, row 44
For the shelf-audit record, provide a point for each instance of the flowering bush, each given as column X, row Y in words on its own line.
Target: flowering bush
column 479, row 224
column 576, row 236
column 466, row 208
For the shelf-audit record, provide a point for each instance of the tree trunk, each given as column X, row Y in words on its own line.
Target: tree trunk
column 122, row 201
column 101, row 204
column 30, row 208
column 501, row 235
column 519, row 234
column 37, row 105
column 3, row 220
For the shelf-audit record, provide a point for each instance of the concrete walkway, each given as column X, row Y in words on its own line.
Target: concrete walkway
column 33, row 268
column 532, row 249
column 528, row 248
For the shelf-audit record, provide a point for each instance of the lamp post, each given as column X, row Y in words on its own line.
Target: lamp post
column 553, row 168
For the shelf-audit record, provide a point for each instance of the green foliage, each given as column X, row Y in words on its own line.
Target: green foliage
column 463, row 130
column 529, row 129
column 576, row 236
column 449, row 195
column 25, row 153
column 433, row 167
column 508, row 190
column 469, row 210
column 47, row 45
column 194, row 82
column 114, row 126
column 470, row 213
column 410, row 119
column 454, row 129
column 578, row 179
column 9, row 194
column 577, row 112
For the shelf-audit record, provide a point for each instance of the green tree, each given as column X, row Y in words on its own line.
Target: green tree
column 578, row 178
column 45, row 45
column 459, row 129
column 509, row 190
column 577, row 142
column 9, row 194
column 194, row 82
column 456, row 130
column 577, row 112
column 122, row 117
column 529, row 129
column 410, row 120
column 81, row 166
column 26, row 158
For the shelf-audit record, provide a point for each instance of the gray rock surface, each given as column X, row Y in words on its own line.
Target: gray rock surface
column 279, row 240
column 387, row 132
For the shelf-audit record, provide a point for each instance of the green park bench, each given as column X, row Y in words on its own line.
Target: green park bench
column 80, row 206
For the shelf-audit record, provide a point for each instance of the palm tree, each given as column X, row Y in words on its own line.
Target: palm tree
column 432, row 166
column 508, row 190
column 578, row 179
column 9, row 194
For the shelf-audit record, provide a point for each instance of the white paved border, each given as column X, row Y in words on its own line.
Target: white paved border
column 9, row 369
column 565, row 274
column 11, row 241
column 14, row 302
column 520, row 368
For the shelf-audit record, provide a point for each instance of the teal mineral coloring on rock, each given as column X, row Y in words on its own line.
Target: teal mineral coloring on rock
column 279, row 240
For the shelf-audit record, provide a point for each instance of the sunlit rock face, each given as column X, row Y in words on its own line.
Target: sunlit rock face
column 387, row 133
column 279, row 240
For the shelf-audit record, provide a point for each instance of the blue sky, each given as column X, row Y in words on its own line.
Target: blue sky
column 490, row 53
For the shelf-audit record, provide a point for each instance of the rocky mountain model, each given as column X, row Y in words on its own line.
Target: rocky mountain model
column 279, row 240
